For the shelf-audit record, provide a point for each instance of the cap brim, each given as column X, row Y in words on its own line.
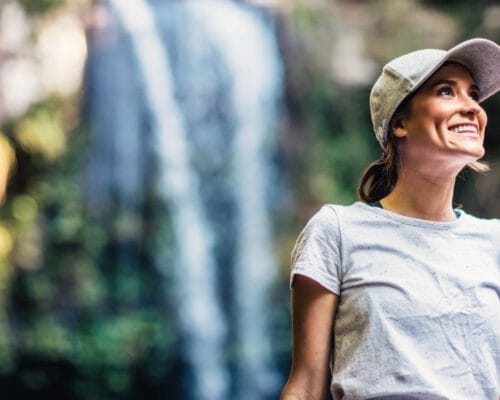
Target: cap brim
column 481, row 57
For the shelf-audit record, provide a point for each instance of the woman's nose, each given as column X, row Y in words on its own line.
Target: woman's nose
column 470, row 106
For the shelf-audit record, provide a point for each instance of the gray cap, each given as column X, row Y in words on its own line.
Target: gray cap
column 405, row 74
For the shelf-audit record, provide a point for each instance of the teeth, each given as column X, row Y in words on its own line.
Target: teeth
column 464, row 128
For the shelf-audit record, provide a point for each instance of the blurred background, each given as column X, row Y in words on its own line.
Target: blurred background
column 158, row 158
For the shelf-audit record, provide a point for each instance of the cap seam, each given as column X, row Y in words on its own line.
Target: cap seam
column 401, row 76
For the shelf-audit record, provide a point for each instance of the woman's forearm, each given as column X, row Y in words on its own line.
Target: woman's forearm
column 298, row 394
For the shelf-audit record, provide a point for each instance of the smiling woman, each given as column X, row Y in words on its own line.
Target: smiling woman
column 400, row 293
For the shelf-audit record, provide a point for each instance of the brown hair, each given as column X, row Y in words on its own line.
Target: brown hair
column 380, row 177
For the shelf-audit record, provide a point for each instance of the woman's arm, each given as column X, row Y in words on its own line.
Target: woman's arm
column 313, row 313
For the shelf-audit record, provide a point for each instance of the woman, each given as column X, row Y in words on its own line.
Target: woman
column 400, row 293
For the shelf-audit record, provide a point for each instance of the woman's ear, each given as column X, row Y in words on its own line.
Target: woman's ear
column 399, row 128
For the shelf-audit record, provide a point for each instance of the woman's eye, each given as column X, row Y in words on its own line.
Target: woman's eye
column 474, row 96
column 445, row 91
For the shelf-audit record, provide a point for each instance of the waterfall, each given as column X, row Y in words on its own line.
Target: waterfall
column 210, row 77
column 200, row 314
column 250, row 53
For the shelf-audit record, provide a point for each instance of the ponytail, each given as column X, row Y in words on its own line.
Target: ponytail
column 380, row 176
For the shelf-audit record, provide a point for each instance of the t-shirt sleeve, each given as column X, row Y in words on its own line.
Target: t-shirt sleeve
column 316, row 253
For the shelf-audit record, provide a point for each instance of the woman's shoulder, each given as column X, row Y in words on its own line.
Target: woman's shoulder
column 330, row 215
column 328, row 210
column 480, row 223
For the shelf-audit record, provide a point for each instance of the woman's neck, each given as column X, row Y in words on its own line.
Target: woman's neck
column 421, row 195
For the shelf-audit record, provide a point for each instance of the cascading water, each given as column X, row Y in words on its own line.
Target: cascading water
column 250, row 54
column 210, row 77
column 200, row 314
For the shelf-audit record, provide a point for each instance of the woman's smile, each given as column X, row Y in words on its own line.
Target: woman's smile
column 468, row 130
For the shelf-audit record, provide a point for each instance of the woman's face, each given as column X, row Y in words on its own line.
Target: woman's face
column 446, row 124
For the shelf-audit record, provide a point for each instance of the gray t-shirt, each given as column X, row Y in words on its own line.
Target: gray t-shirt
column 419, row 308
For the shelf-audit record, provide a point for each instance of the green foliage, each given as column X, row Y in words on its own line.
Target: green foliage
column 122, row 341
column 40, row 6
column 70, row 299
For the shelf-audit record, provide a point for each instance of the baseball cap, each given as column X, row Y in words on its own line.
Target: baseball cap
column 405, row 74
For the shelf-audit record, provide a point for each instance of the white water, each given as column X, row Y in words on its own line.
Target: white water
column 200, row 315
column 250, row 53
